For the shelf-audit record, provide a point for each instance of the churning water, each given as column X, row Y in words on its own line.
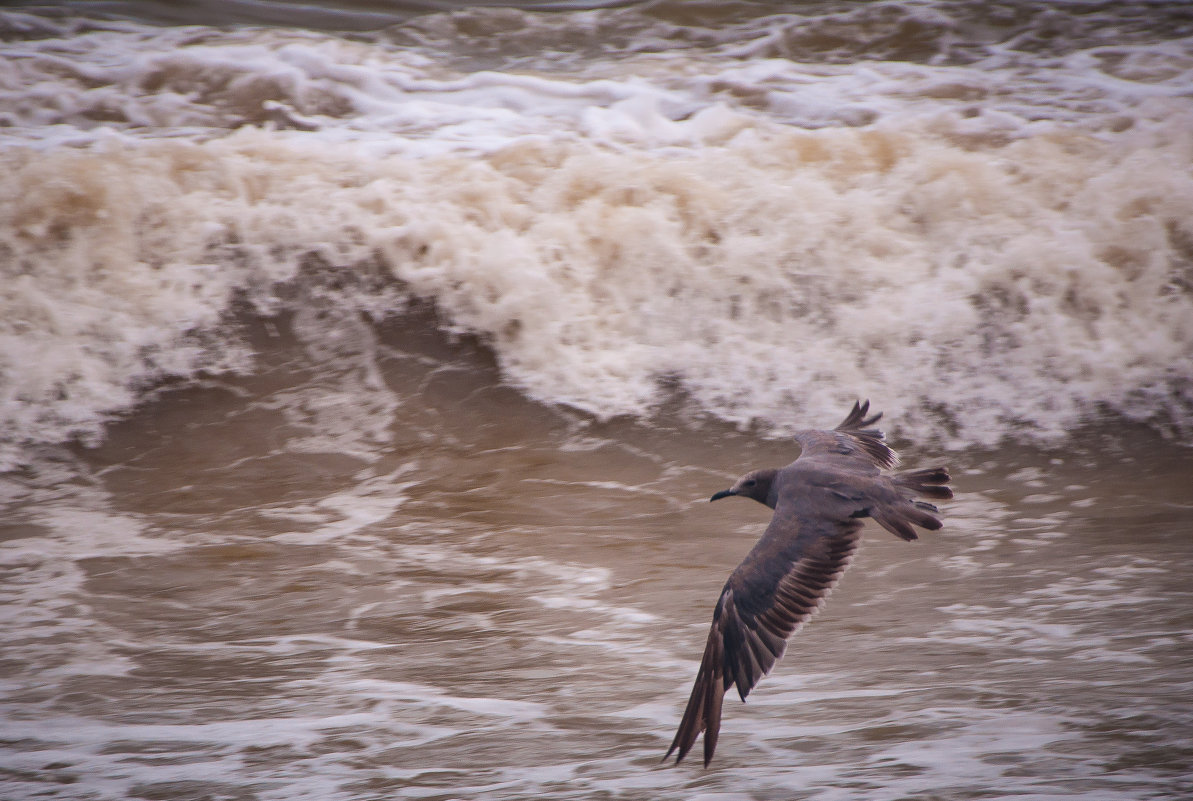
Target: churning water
column 365, row 370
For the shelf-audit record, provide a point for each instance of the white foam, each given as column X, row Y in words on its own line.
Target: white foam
column 992, row 248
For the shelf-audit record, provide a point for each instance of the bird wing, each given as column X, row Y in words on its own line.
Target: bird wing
column 850, row 444
column 780, row 584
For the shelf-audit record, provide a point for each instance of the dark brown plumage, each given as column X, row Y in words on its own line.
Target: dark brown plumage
column 819, row 502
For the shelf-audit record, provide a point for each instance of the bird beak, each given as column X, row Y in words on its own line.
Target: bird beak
column 722, row 494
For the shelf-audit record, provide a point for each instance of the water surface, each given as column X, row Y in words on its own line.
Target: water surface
column 365, row 371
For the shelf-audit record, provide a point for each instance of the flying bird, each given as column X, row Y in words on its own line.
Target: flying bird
column 819, row 500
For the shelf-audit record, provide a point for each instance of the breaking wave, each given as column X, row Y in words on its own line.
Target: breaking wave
column 987, row 250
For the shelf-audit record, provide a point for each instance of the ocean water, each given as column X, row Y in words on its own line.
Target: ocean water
column 365, row 370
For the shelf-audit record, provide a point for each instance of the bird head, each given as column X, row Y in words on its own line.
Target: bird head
column 756, row 484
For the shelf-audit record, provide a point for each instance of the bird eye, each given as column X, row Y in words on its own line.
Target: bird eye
column 749, row 483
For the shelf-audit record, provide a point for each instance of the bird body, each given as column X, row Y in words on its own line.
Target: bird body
column 820, row 500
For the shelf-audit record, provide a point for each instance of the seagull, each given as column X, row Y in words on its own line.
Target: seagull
column 819, row 500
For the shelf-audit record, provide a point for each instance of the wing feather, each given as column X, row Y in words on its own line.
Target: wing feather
column 851, row 443
column 780, row 584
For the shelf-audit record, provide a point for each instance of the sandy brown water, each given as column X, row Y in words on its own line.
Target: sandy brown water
column 271, row 529
column 244, row 593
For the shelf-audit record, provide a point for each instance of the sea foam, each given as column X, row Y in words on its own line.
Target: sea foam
column 981, row 270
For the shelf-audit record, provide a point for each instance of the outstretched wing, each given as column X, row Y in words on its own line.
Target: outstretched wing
column 781, row 583
column 851, row 444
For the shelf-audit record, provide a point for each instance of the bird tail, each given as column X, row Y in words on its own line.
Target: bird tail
column 932, row 482
column 900, row 514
